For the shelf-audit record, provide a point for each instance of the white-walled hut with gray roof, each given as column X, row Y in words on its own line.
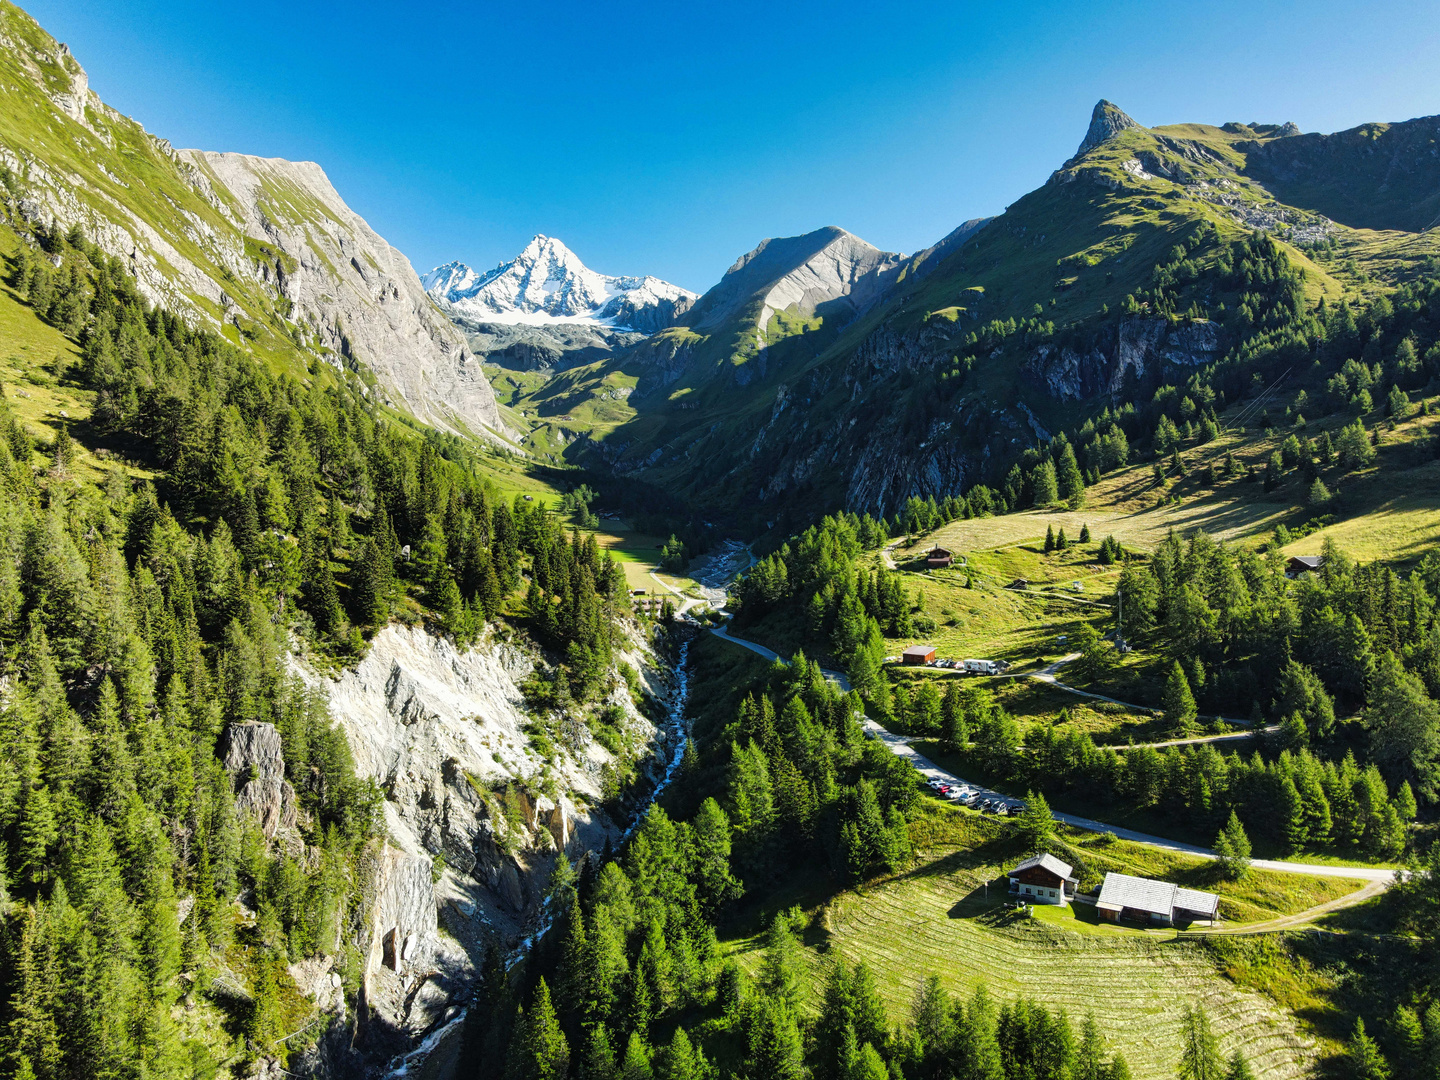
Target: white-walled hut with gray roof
column 1043, row 879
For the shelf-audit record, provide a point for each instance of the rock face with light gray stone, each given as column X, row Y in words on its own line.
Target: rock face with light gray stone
column 256, row 249
column 252, row 756
column 359, row 295
column 474, row 817
column 1106, row 121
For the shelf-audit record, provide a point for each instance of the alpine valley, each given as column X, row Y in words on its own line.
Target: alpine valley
column 1014, row 658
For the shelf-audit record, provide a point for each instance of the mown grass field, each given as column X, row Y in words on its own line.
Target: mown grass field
column 1043, row 703
column 977, row 615
column 937, row 917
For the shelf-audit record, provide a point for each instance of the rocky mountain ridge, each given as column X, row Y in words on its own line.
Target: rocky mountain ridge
column 1019, row 327
column 805, row 273
column 264, row 251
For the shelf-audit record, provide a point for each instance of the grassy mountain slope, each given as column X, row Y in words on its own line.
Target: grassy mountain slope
column 264, row 252
column 1375, row 176
column 943, row 382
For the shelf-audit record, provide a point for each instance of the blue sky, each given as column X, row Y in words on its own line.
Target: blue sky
column 671, row 138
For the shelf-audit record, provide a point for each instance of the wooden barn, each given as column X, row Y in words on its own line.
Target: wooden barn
column 1137, row 899
column 1043, row 879
column 918, row 654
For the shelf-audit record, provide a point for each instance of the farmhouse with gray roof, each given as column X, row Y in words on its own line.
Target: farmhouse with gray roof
column 1146, row 900
column 1043, row 879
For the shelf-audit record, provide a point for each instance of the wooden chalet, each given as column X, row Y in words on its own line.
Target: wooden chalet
column 1303, row 564
column 1043, row 879
column 939, row 557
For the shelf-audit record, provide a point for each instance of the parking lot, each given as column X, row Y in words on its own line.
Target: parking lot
column 941, row 782
column 965, row 667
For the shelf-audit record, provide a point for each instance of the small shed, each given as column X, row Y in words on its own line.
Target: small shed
column 1043, row 879
column 918, row 654
column 939, row 557
column 1303, row 564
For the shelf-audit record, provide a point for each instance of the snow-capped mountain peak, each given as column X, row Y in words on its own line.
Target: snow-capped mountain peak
column 547, row 283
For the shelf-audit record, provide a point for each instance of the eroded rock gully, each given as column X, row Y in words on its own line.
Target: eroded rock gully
column 474, row 815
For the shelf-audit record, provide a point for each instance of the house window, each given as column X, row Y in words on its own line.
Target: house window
column 1052, row 892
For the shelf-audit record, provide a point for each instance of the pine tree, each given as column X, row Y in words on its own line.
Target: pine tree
column 1084, row 534
column 39, row 831
column 1200, row 1050
column 681, row 1060
column 1232, row 847
column 1364, row 1057
column 780, row 975
column 1239, row 1068
column 1090, row 1056
column 1043, row 484
column 931, row 1024
column 868, row 1065
column 1405, row 802
column 976, row 1041
column 1176, row 701
column 636, row 1063
column 371, row 590
column 1290, row 815
column 1036, row 824
column 776, row 1049
column 1049, row 539
column 599, row 1063
column 547, row 1055
column 1071, row 484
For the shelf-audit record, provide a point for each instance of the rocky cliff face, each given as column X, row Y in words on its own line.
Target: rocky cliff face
column 252, row 757
column 829, row 270
column 1133, row 348
column 1106, row 121
column 475, row 815
column 264, row 251
column 358, row 295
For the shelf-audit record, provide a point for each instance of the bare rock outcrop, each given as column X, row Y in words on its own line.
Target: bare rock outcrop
column 1106, row 121
column 360, row 295
column 475, row 815
column 252, row 756
column 1132, row 349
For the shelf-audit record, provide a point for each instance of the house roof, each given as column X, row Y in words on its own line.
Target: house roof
column 1202, row 903
column 939, row 551
column 1142, row 894
column 1045, row 862
column 920, row 650
column 1158, row 897
column 1312, row 562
